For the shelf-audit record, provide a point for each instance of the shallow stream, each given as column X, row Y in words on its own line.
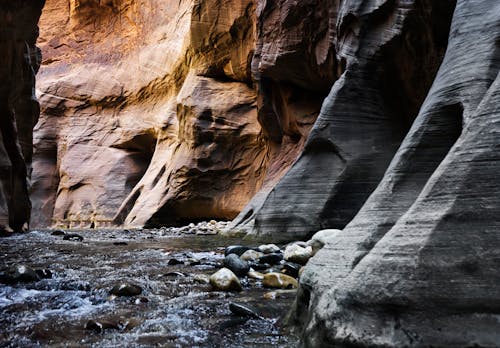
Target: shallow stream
column 173, row 310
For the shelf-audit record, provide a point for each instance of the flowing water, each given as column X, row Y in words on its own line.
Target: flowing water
column 174, row 310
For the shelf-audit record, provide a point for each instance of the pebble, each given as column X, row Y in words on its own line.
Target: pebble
column 235, row 249
column 44, row 273
column 279, row 281
column 255, row 275
column 202, row 279
column 100, row 326
column 251, row 255
column 173, row 262
column 73, row 236
column 272, row 295
column 269, row 248
column 175, row 274
column 237, row 265
column 125, row 289
column 271, row 259
column 58, row 233
column 259, row 266
column 297, row 254
column 19, row 274
column 225, row 280
column 242, row 310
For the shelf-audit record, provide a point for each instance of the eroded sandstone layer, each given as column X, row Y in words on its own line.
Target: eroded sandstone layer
column 19, row 109
column 158, row 112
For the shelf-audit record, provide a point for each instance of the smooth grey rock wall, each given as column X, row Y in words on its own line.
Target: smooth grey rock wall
column 418, row 265
column 388, row 53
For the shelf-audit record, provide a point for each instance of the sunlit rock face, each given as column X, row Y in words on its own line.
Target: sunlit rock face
column 149, row 114
column 19, row 108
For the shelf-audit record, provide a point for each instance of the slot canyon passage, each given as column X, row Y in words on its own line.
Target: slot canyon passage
column 167, row 143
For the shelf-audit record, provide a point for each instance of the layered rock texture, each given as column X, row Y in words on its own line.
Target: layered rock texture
column 19, row 109
column 376, row 117
column 417, row 266
column 157, row 112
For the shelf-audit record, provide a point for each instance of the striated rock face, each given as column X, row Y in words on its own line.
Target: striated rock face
column 19, row 109
column 417, row 266
column 385, row 55
column 148, row 113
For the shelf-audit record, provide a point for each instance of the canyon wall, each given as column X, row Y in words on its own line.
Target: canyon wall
column 417, row 266
column 148, row 116
column 19, row 109
column 378, row 117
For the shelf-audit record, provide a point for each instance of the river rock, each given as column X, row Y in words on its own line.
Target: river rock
column 174, row 274
column 236, row 265
column 243, row 310
column 58, row 233
column 271, row 259
column 173, row 262
column 125, row 289
column 251, row 255
column 273, row 295
column 268, row 248
column 298, row 254
column 225, row 280
column 74, row 237
column 236, row 249
column 291, row 269
column 255, row 275
column 19, row 274
column 202, row 279
column 259, row 266
column 279, row 281
column 44, row 273
column 101, row 325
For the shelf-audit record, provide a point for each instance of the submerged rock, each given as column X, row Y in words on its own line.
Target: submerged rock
column 279, row 281
column 201, row 279
column 174, row 274
column 173, row 262
column 298, row 254
column 44, row 273
column 273, row 295
column 58, row 233
column 225, row 280
column 19, row 274
column 73, row 237
column 101, row 325
column 125, row 289
column 236, row 265
column 243, row 310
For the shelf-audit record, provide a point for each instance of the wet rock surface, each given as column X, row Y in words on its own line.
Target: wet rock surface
column 74, row 307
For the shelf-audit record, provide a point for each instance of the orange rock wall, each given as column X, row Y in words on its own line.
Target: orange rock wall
column 154, row 112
